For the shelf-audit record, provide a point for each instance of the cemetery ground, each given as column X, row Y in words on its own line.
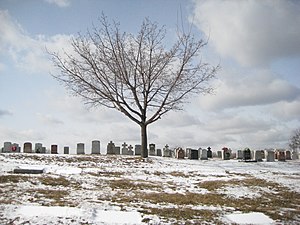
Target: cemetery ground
column 98, row 189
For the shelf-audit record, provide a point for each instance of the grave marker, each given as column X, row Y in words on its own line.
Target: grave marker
column 288, row 155
column 225, row 153
column 203, row 154
column 124, row 149
column 158, row 152
column 209, row 153
column 192, row 153
column 180, row 154
column 152, row 149
column 270, row 155
column 130, row 151
column 54, row 149
column 240, row 154
column 38, row 147
column 66, row 150
column 27, row 147
column 110, row 150
column 95, row 147
column 80, row 148
column 247, row 154
column 137, row 149
column 257, row 155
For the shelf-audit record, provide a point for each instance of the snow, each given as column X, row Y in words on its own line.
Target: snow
column 253, row 218
column 48, row 214
column 90, row 200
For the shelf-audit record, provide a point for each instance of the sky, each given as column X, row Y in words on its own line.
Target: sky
column 255, row 104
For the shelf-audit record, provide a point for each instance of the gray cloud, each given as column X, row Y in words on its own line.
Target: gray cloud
column 252, row 32
column 5, row 113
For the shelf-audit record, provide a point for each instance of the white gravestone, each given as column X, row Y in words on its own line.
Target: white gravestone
column 152, row 149
column 130, row 151
column 203, row 154
column 124, row 149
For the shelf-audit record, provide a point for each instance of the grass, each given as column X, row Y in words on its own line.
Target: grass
column 276, row 201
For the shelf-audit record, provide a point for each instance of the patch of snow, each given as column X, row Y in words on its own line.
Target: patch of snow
column 253, row 218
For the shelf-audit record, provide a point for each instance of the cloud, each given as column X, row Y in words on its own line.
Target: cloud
column 251, row 32
column 235, row 89
column 5, row 113
column 28, row 53
column 59, row 3
column 48, row 119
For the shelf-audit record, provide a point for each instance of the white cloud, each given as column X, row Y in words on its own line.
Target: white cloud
column 252, row 32
column 28, row 53
column 261, row 87
column 49, row 119
column 59, row 3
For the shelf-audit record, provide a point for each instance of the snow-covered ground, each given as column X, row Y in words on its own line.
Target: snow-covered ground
column 90, row 189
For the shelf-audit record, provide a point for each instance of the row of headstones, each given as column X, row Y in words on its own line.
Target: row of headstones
column 270, row 155
column 126, row 149
column 39, row 148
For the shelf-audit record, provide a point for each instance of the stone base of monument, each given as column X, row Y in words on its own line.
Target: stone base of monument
column 28, row 171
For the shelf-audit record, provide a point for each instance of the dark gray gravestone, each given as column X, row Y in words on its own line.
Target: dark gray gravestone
column 209, row 152
column 246, row 154
column 158, row 152
column 28, row 171
column 66, row 150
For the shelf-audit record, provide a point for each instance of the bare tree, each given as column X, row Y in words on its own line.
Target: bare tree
column 135, row 74
column 295, row 140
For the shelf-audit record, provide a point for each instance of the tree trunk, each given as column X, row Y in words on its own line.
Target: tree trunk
column 144, row 152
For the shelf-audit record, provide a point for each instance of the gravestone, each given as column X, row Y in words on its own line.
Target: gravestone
column 219, row 154
column 124, row 149
column 7, row 147
column 288, row 155
column 95, row 147
column 203, row 154
column 257, row 155
column 270, row 155
column 66, row 150
column 247, row 154
column 43, row 150
column 180, row 154
column 158, row 152
column 263, row 156
column 152, row 149
column 15, row 147
column 166, row 151
column 209, row 153
column 54, row 149
column 239, row 154
column 130, row 151
column 295, row 155
column 192, row 153
column 225, row 153
column 117, row 150
column 281, row 155
column 137, row 149
column 80, row 148
column 38, row 147
column 27, row 147
column 110, row 150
